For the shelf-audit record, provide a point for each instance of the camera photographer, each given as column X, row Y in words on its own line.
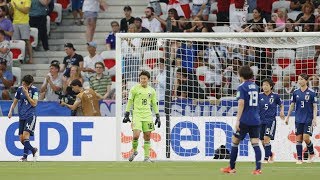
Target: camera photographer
column 87, row 101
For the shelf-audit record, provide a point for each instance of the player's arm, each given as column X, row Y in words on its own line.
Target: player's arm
column 240, row 97
column 291, row 107
column 154, row 103
column 130, row 99
column 315, row 112
column 129, row 105
column 282, row 116
column 13, row 105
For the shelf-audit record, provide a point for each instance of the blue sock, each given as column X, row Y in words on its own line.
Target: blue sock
column 27, row 144
column 267, row 149
column 310, row 148
column 257, row 152
column 299, row 150
column 233, row 155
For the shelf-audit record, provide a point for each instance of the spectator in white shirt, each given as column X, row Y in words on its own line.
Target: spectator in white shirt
column 52, row 83
column 90, row 60
column 90, row 9
column 150, row 22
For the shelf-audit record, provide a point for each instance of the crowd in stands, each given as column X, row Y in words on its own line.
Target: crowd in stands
column 210, row 69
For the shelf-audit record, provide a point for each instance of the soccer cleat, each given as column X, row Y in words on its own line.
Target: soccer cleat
column 133, row 155
column 147, row 159
column 35, row 154
column 228, row 170
column 311, row 158
column 271, row 158
column 299, row 162
column 23, row 159
column 257, row 172
column 265, row 161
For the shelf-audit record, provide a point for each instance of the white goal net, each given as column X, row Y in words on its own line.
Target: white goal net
column 196, row 78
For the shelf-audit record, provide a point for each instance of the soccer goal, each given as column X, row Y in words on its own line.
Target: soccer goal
column 196, row 78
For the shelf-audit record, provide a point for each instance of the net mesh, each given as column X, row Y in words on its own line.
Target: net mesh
column 199, row 94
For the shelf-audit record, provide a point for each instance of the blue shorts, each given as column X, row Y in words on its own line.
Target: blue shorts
column 245, row 129
column 196, row 8
column 304, row 128
column 27, row 125
column 268, row 129
column 77, row 5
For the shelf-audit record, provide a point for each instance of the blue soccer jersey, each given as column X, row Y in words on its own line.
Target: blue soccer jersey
column 249, row 92
column 25, row 109
column 268, row 106
column 304, row 105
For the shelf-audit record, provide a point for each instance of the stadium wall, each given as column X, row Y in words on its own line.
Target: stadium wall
column 96, row 139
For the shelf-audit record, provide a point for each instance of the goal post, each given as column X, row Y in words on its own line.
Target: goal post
column 195, row 77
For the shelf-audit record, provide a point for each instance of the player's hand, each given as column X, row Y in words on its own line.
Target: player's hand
column 287, row 120
column 282, row 116
column 126, row 118
column 238, row 125
column 157, row 122
column 25, row 90
column 314, row 122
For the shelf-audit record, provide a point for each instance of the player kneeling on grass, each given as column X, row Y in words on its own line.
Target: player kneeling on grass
column 27, row 97
column 268, row 102
column 248, row 119
column 304, row 100
column 142, row 97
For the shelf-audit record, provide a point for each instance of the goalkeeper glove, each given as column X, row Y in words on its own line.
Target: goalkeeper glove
column 158, row 120
column 126, row 118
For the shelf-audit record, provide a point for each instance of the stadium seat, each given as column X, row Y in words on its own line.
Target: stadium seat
column 56, row 14
column 281, row 4
column 48, row 25
column 213, row 19
column 34, row 37
column 164, row 8
column 307, row 66
column 16, row 71
column 64, row 3
column 293, row 15
column 17, row 47
column 221, row 29
column 150, row 58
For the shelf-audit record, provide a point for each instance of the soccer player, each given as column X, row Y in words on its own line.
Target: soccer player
column 268, row 102
column 27, row 97
column 305, row 102
column 248, row 120
column 142, row 97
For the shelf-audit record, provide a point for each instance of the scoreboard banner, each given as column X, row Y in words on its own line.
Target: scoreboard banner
column 96, row 139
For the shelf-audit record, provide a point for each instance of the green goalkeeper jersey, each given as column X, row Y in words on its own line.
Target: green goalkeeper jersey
column 142, row 99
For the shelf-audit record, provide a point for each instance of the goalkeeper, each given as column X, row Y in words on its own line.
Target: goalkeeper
column 142, row 97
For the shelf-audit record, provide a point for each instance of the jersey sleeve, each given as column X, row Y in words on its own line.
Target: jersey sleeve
column 17, row 95
column 154, row 102
column 279, row 100
column 130, row 99
column 293, row 98
column 240, row 93
column 35, row 94
column 314, row 98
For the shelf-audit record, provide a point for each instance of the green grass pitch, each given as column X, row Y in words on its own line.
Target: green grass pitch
column 151, row 171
